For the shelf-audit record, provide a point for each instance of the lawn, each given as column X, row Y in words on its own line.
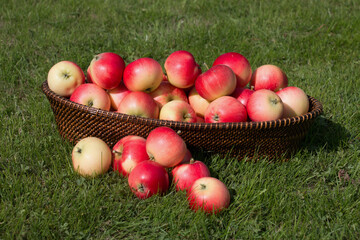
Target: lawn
column 315, row 195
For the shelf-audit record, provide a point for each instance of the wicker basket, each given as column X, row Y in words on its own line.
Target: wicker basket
column 271, row 139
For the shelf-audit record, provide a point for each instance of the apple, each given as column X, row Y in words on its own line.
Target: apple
column 181, row 69
column 139, row 104
column 268, row 77
column 178, row 110
column 225, row 109
column 208, row 194
column 239, row 64
column 216, row 82
column 185, row 174
column 91, row 95
column 91, row 157
column 106, row 70
column 128, row 152
column 117, row 94
column 166, row 93
column 199, row 119
column 64, row 77
column 143, row 74
column 148, row 178
column 242, row 94
column 295, row 101
column 198, row 103
column 165, row 147
column 264, row 105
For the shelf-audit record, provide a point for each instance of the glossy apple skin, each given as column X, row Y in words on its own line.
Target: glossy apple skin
column 165, row 147
column 178, row 110
column 128, row 152
column 269, row 77
column 239, row 64
column 91, row 95
column 148, row 178
column 64, row 77
column 139, row 104
column 91, row 157
column 264, row 105
column 106, row 70
column 182, row 69
column 198, row 103
column 166, row 93
column 143, row 74
column 295, row 101
column 242, row 94
column 216, row 82
column 117, row 94
column 225, row 109
column 208, row 194
column 185, row 174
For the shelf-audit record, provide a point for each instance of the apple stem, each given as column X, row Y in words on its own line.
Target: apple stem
column 207, row 67
column 141, row 188
column 202, row 186
column 117, row 152
column 192, row 160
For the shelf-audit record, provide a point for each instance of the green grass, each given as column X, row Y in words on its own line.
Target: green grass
column 315, row 42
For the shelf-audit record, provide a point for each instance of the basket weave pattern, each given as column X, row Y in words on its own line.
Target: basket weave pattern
column 269, row 139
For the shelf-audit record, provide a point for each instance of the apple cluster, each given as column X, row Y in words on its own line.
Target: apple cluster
column 229, row 91
column 148, row 164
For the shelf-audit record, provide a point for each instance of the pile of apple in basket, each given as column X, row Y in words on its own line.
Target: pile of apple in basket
column 229, row 91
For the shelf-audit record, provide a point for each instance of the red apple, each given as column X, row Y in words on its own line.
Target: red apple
column 181, row 69
column 198, row 103
column 143, row 74
column 106, row 70
column 166, row 93
column 239, row 64
column 148, row 178
column 209, row 195
column 268, row 77
column 242, row 94
column 178, row 110
column 225, row 109
column 184, row 175
column 128, row 152
column 216, row 82
column 117, row 94
column 165, row 147
column 139, row 104
column 91, row 95
column 64, row 77
column 295, row 101
column 264, row 105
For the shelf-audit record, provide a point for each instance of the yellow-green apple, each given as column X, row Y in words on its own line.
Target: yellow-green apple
column 181, row 69
column 197, row 102
column 185, row 174
column 268, row 77
column 165, row 147
column 106, row 70
column 148, row 178
column 216, row 82
column 91, row 156
column 128, row 152
column 295, row 101
column 143, row 74
column 91, row 95
column 225, row 109
column 264, row 105
column 139, row 104
column 242, row 94
column 117, row 94
column 178, row 110
column 208, row 194
column 167, row 92
column 64, row 77
column 239, row 64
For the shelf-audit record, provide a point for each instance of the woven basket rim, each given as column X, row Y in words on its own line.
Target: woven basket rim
column 316, row 109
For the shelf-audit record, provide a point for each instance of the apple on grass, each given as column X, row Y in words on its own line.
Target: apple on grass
column 178, row 110
column 148, row 178
column 295, row 101
column 239, row 64
column 198, row 103
column 106, row 70
column 208, row 194
column 91, row 95
column 117, row 94
column 269, row 77
column 225, row 109
column 91, row 157
column 264, row 105
column 139, row 104
column 64, row 77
